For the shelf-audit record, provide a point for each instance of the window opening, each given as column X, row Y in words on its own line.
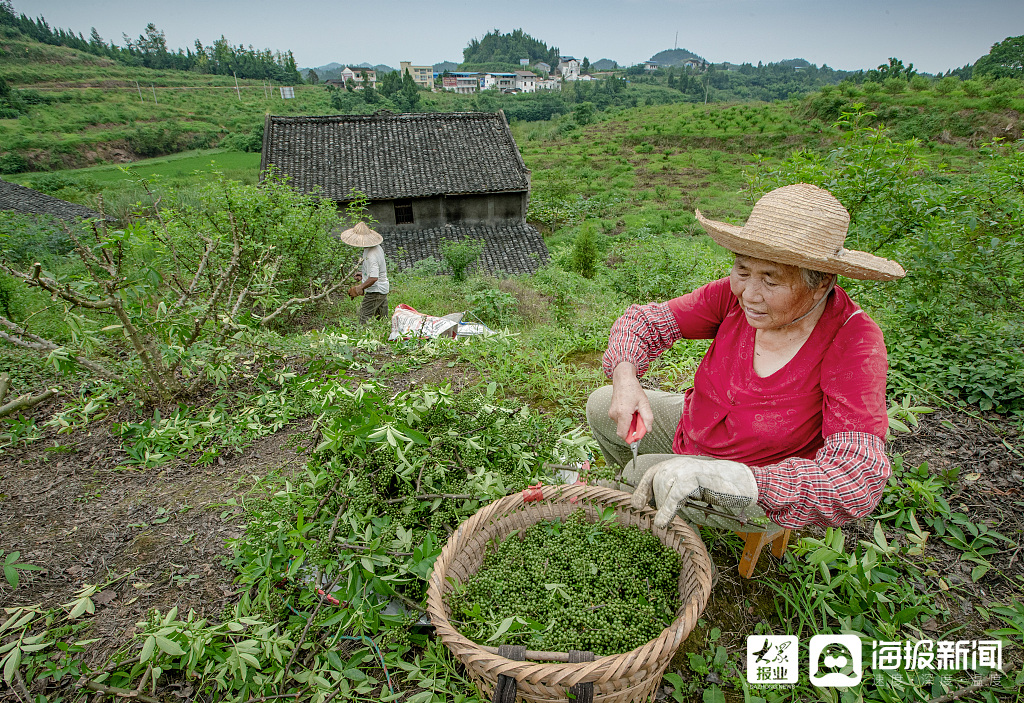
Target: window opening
column 403, row 212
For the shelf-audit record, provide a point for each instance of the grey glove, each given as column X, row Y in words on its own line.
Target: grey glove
column 714, row 481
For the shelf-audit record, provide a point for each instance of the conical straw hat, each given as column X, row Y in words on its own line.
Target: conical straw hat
column 360, row 236
column 801, row 225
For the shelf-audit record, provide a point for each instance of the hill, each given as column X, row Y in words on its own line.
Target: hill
column 445, row 66
column 674, row 57
column 497, row 48
column 604, row 65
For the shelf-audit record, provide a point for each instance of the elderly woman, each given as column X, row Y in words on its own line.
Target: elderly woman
column 787, row 414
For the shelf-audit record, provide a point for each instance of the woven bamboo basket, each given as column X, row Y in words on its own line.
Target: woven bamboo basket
column 620, row 678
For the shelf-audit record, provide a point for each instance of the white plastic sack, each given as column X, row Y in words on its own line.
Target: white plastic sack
column 407, row 322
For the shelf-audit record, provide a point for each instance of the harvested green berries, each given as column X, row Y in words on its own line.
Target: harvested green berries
column 572, row 584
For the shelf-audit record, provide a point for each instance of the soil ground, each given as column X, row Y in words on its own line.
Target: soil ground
column 156, row 538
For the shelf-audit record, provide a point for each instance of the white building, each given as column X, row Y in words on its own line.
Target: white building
column 499, row 81
column 549, row 84
column 526, row 81
column 354, row 76
column 569, row 68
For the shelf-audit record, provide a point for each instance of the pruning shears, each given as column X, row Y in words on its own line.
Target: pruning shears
column 637, row 430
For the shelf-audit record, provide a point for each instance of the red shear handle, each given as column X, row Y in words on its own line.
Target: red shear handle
column 637, row 429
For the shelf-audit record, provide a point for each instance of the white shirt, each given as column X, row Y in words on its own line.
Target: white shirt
column 373, row 265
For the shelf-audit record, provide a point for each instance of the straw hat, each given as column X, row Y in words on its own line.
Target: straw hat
column 801, row 225
column 361, row 236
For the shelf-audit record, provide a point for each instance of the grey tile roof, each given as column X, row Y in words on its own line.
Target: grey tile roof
column 32, row 202
column 390, row 156
column 515, row 248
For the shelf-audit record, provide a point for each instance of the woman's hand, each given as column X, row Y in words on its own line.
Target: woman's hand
column 713, row 481
column 628, row 397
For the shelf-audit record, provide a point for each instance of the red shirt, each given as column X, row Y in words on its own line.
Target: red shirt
column 812, row 432
column 835, row 383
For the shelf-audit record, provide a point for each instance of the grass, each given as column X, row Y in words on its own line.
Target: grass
column 185, row 165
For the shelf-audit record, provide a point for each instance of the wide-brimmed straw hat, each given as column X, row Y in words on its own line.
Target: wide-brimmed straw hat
column 801, row 225
column 360, row 236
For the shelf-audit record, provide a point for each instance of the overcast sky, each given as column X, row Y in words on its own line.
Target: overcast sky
column 935, row 35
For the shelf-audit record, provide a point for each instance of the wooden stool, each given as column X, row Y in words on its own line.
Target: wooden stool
column 754, row 541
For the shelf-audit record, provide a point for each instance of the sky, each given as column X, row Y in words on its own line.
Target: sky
column 934, row 35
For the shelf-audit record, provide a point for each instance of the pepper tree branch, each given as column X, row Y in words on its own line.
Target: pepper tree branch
column 27, row 340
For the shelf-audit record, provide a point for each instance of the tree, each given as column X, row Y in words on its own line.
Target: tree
column 1004, row 60
column 163, row 303
column 585, row 66
column 312, row 78
column 893, row 69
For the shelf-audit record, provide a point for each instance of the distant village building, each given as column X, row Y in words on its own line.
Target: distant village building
column 423, row 76
column 499, row 81
column 651, row 65
column 542, row 67
column 526, row 81
column 693, row 63
column 569, row 68
column 354, row 76
column 462, row 82
column 429, row 177
column 549, row 84
column 27, row 201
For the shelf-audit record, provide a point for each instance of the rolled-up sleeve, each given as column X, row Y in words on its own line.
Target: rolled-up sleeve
column 640, row 336
column 843, row 482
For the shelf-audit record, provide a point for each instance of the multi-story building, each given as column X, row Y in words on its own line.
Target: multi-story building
column 526, row 81
column 569, row 68
column 462, row 82
column 422, row 76
column 499, row 81
column 354, row 76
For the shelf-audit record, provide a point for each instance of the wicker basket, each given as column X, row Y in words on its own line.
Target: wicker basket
column 632, row 676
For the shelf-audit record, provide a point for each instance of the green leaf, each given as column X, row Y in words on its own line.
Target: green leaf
column 11, row 665
column 502, row 628
column 148, row 647
column 714, row 695
column 169, row 647
column 11, row 574
column 335, row 660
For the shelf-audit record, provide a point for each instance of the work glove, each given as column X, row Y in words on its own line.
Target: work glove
column 354, row 292
column 728, row 484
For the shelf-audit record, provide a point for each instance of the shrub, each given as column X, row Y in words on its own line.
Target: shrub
column 250, row 141
column 919, row 83
column 459, row 254
column 972, row 88
column 493, row 306
column 53, row 183
column 12, row 162
column 584, row 251
column 894, row 86
column 947, row 85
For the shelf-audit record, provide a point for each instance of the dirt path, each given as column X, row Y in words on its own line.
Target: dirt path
column 159, row 534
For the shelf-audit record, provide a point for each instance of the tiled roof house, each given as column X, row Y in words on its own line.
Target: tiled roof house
column 32, row 202
column 428, row 177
